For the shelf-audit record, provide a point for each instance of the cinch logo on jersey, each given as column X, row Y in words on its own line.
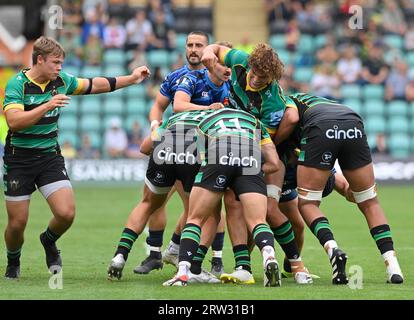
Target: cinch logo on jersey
column 230, row 160
column 179, row 158
column 339, row 134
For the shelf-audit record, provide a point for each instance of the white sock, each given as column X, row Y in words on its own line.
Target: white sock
column 173, row 248
column 156, row 249
column 391, row 262
column 183, row 268
column 268, row 252
column 217, row 254
column 329, row 246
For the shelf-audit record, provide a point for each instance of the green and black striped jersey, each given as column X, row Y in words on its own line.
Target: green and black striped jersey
column 228, row 122
column 188, row 119
column 24, row 93
column 314, row 109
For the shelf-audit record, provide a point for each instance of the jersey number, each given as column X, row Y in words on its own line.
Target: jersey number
column 236, row 124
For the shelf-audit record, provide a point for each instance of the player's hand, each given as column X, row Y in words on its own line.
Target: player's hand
column 59, row 100
column 209, row 59
column 141, row 73
column 216, row 106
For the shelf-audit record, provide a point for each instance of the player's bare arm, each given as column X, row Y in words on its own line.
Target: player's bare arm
column 287, row 125
column 271, row 163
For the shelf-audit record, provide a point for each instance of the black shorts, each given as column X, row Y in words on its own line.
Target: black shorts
column 325, row 142
column 22, row 174
column 218, row 178
column 166, row 165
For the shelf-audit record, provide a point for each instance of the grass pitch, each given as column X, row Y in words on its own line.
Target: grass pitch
column 102, row 211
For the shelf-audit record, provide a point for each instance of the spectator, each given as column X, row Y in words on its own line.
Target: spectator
column 393, row 18
column 163, row 36
column 278, row 10
column 349, row 66
column 139, row 30
column 155, row 6
column 289, row 84
column 116, row 140
column 375, row 70
column 154, row 83
column 409, row 38
column 92, row 27
column 397, row 81
column 68, row 150
column 86, row 150
column 93, row 51
column 70, row 39
column 72, row 14
column 115, row 34
column 138, row 59
column 292, row 35
column 325, row 82
column 135, row 138
column 409, row 90
column 380, row 145
column 178, row 63
column 328, row 53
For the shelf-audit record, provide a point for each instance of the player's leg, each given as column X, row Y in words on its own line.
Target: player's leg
column 199, row 211
column 217, row 267
column 17, row 214
column 362, row 184
column 152, row 200
column 311, row 182
column 237, row 230
column 282, row 228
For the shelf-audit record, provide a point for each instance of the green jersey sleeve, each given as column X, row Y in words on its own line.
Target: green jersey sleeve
column 14, row 92
column 234, row 57
column 71, row 82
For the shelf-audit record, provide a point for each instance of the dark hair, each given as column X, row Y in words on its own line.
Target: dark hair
column 199, row 33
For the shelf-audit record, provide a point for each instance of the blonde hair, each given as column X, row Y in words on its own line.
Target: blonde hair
column 46, row 46
column 265, row 59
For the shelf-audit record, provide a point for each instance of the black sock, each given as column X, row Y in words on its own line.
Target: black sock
column 155, row 238
column 13, row 257
column 218, row 242
column 176, row 238
column 322, row 230
column 242, row 257
column 383, row 238
column 189, row 242
column 126, row 242
column 155, row 254
column 263, row 236
column 50, row 237
column 198, row 259
column 285, row 236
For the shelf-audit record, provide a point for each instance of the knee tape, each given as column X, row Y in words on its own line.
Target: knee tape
column 365, row 195
column 273, row 191
column 310, row 195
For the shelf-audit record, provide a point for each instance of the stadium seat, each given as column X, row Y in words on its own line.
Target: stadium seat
column 277, row 41
column 320, row 40
column 113, row 106
column 91, row 71
column 352, row 91
column 114, row 57
column 90, row 122
column 68, row 122
column 284, row 55
column 136, row 107
column 143, row 121
column 180, row 40
column 374, row 108
column 203, row 24
column 399, row 145
column 71, row 70
column 371, row 140
column 303, row 74
column 96, row 139
column 135, row 91
column 394, row 41
column 114, row 71
column 158, row 58
column 70, row 136
column 107, row 121
column 409, row 58
column 374, row 125
column 354, row 104
column 397, row 108
column 91, row 105
column 411, row 127
column 305, row 44
column 73, row 106
column 373, row 91
column 398, row 124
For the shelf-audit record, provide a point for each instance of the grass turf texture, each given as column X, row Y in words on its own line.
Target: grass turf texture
column 102, row 211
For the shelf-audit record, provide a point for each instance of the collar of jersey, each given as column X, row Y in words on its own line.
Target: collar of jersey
column 249, row 88
column 40, row 85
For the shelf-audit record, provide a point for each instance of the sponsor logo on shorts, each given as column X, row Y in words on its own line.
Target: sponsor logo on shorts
column 221, row 181
column 327, row 156
column 14, row 184
column 341, row 134
column 231, row 160
column 159, row 177
column 179, row 158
